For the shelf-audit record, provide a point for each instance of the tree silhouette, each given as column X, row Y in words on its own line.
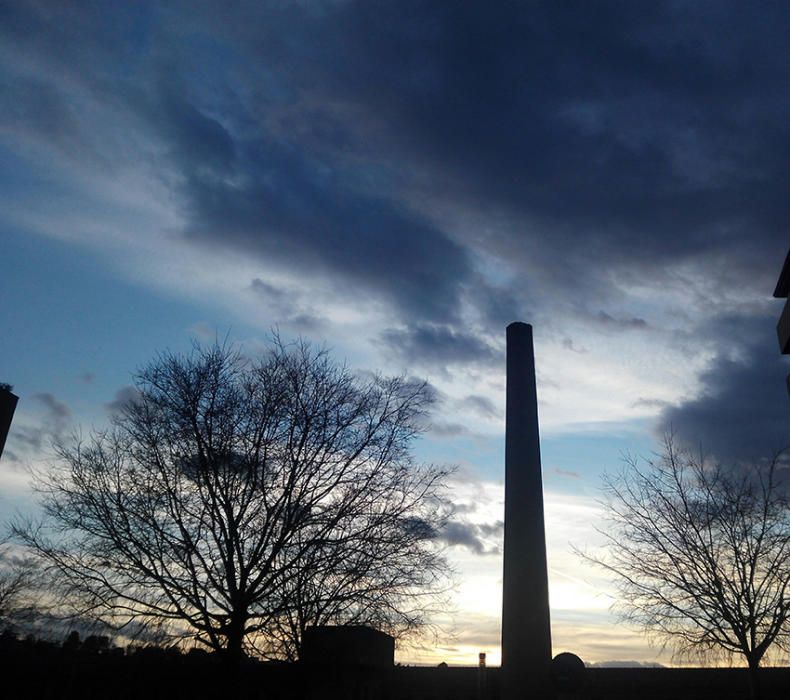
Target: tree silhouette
column 20, row 587
column 362, row 583
column 701, row 553
column 227, row 483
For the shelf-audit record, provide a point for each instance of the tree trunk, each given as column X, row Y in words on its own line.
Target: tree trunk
column 754, row 678
column 234, row 651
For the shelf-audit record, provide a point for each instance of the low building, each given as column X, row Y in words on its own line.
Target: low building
column 348, row 645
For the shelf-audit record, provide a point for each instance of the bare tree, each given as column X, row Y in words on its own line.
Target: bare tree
column 701, row 553
column 20, row 586
column 387, row 579
column 225, row 481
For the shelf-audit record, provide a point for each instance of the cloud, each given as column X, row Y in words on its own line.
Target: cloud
column 268, row 291
column 435, row 345
column 443, row 429
column 287, row 307
column 291, row 208
column 48, row 422
column 465, row 508
column 582, row 153
column 481, row 405
column 123, row 397
column 568, row 344
column 742, row 410
column 496, row 529
column 476, row 629
column 462, row 534
column 473, row 536
column 199, row 143
column 434, row 172
column 649, row 403
column 608, row 321
column 625, row 664
column 203, row 331
column 57, row 411
column 587, row 138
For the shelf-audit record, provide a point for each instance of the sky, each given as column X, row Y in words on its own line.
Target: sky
column 398, row 181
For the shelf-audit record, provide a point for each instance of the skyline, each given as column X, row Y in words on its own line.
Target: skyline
column 399, row 183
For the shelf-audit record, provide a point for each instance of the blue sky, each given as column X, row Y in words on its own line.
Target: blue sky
column 399, row 181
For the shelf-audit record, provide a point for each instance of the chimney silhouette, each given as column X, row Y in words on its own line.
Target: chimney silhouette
column 7, row 408
column 526, row 627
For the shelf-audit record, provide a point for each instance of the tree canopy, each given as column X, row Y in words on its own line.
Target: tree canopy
column 701, row 552
column 239, row 500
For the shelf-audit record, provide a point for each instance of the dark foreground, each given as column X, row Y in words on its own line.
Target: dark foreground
column 48, row 671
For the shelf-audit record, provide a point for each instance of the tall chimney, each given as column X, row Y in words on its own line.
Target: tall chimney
column 526, row 627
column 7, row 408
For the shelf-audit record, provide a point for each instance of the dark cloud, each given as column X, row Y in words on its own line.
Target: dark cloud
column 496, row 529
column 298, row 212
column 464, row 508
column 743, row 410
column 462, row 534
column 51, row 423
column 615, row 138
column 436, row 345
column 568, row 344
column 57, row 411
column 443, row 429
column 305, row 323
column 481, row 405
column 40, row 110
column 626, row 133
column 619, row 138
column 610, row 322
column 442, row 162
column 472, row 536
column 123, row 397
column 286, row 308
column 267, row 291
column 200, row 144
